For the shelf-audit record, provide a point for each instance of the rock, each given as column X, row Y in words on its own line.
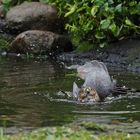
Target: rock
column 34, row 16
column 40, row 42
column 3, row 25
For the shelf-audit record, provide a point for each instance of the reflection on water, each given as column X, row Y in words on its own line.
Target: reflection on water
column 24, row 87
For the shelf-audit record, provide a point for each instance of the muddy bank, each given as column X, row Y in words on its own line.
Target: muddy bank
column 123, row 54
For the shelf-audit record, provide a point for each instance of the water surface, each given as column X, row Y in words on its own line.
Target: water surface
column 25, row 86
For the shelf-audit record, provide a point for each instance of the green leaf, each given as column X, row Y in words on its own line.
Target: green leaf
column 6, row 1
column 72, row 10
column 113, row 28
column 84, row 46
column 128, row 22
column 99, row 35
column 105, row 23
column 7, row 4
column 118, row 8
column 99, row 2
column 44, row 1
column 72, row 28
column 102, row 45
column 110, row 1
column 81, row 9
column 106, row 7
column 132, row 3
column 94, row 10
column 118, row 30
column 125, row 10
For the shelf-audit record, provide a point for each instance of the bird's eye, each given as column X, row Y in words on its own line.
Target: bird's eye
column 87, row 90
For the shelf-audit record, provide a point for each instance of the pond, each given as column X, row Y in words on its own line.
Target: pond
column 25, row 104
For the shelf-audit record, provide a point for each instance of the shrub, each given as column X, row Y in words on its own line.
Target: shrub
column 99, row 21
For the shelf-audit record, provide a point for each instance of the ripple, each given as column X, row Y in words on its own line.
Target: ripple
column 105, row 112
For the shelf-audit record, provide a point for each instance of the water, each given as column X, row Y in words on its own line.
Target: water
column 24, row 103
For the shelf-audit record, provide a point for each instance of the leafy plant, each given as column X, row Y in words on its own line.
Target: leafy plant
column 100, row 21
column 9, row 3
column 97, row 21
column 4, row 43
column 66, row 133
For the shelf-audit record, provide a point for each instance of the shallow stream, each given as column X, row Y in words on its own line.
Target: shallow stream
column 24, row 102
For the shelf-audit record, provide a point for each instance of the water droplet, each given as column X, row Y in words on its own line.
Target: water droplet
column 18, row 54
column 4, row 53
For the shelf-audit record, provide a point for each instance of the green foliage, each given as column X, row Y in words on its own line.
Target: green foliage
column 4, row 43
column 93, row 126
column 66, row 133
column 97, row 21
column 53, row 133
column 9, row 3
column 100, row 21
column 84, row 46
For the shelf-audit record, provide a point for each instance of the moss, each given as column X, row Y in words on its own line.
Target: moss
column 119, row 136
column 52, row 133
column 67, row 133
column 85, row 46
column 93, row 126
column 4, row 42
